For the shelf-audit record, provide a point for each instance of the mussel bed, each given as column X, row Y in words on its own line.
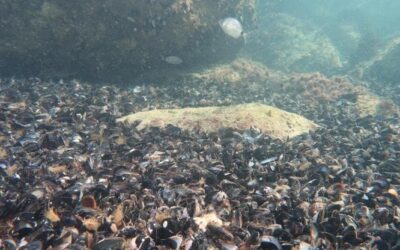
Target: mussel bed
column 73, row 178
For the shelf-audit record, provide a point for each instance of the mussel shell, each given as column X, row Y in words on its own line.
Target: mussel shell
column 380, row 184
column 63, row 198
column 269, row 243
column 173, row 242
column 9, row 244
column 228, row 246
column 287, row 246
column 200, row 242
column 172, row 130
column 219, row 233
column 383, row 214
column 168, row 228
column 349, row 235
column 69, row 220
column 22, row 229
column 142, row 242
column 388, row 235
column 34, row 245
column 109, row 243
column 282, row 234
column 129, row 232
column 31, row 146
column 51, row 141
column 380, row 245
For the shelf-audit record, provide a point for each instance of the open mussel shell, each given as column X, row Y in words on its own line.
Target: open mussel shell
column 88, row 201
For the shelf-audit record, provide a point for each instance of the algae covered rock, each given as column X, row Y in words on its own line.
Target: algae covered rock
column 114, row 39
column 251, row 80
column 316, row 89
column 286, row 43
column 275, row 122
column 383, row 67
column 240, row 70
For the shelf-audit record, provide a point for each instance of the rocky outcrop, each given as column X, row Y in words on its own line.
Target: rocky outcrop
column 252, row 80
column 383, row 67
column 285, row 43
column 110, row 39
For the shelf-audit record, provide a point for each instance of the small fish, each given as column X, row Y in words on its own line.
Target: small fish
column 231, row 26
column 173, row 60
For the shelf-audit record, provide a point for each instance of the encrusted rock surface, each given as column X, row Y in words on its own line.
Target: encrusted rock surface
column 275, row 122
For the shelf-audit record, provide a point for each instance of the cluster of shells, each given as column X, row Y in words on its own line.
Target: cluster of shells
column 73, row 178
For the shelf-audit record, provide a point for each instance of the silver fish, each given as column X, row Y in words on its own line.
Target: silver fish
column 231, row 26
column 173, row 60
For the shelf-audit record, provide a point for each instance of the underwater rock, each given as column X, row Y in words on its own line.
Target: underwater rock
column 240, row 70
column 272, row 121
column 113, row 40
column 317, row 88
column 348, row 40
column 285, row 43
column 380, row 73
column 292, row 90
column 382, row 69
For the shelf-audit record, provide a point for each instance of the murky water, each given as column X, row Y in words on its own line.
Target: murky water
column 195, row 124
